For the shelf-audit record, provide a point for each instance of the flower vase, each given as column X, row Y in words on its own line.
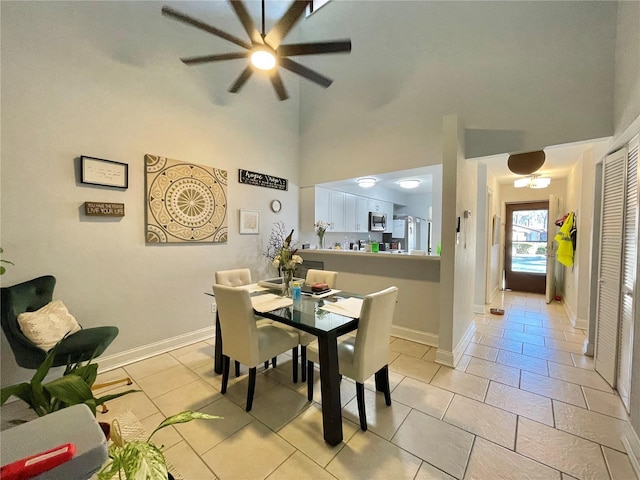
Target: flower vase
column 287, row 278
column 321, row 242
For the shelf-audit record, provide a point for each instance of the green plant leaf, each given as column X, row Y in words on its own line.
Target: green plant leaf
column 184, row 417
column 70, row 389
column 143, row 461
column 21, row 390
column 88, row 372
column 113, row 396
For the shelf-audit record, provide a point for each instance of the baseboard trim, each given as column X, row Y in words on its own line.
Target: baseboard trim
column 111, row 362
column 631, row 444
column 451, row 359
column 417, row 336
column 479, row 309
column 576, row 322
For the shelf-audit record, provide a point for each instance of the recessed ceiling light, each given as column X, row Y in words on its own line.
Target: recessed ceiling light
column 366, row 182
column 410, row 183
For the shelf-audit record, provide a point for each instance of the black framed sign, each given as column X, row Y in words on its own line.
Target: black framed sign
column 98, row 171
column 262, row 180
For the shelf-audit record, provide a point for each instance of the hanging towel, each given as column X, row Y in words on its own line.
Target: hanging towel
column 565, row 242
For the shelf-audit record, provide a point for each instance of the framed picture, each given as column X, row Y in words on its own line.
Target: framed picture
column 97, row 171
column 249, row 222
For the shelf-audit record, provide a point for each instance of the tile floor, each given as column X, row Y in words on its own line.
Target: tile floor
column 523, row 403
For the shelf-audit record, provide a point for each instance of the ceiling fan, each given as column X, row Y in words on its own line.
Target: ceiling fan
column 265, row 51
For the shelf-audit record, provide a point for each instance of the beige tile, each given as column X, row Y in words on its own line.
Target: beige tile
column 525, row 320
column 137, row 403
column 407, row 347
column 524, row 337
column 494, row 424
column 575, row 337
column 306, row 434
column 238, row 388
column 263, row 450
column 152, row 365
column 582, row 361
column 490, row 461
column 591, row 425
column 475, row 338
column 382, row 419
column 430, row 356
column 568, row 477
column 547, row 353
column 501, row 343
column 482, row 351
column 414, row 368
column 300, row 467
column 460, row 382
column 368, row 456
column 544, row 332
column 163, row 382
column 422, row 396
column 524, row 362
column 494, row 371
column 619, row 465
column 167, row 436
column 195, row 355
column 394, row 380
column 278, row 406
column 347, row 389
column 606, row 403
column 446, row 447
column 521, row 402
column 429, row 472
column 192, row 396
column 487, row 330
column 117, row 374
column 507, row 325
column 552, row 388
column 588, row 378
column 206, row 373
column 586, row 460
column 187, row 463
column 206, row 434
column 566, row 346
column 463, row 362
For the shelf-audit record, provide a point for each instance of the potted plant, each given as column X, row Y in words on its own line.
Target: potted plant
column 72, row 388
column 142, row 459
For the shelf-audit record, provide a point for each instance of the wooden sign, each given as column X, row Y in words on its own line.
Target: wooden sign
column 94, row 209
column 262, row 180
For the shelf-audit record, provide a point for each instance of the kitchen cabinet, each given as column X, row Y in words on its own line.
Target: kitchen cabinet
column 336, row 210
column 388, row 210
column 356, row 213
column 322, row 205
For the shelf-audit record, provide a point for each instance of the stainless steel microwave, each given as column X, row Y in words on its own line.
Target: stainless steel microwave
column 377, row 222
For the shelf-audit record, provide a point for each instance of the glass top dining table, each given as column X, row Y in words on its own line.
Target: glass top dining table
column 306, row 314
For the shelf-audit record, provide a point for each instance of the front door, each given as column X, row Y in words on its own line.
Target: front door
column 526, row 246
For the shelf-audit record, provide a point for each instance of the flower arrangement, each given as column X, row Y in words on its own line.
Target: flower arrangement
column 286, row 259
column 321, row 227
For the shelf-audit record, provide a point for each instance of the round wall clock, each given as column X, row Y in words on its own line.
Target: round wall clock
column 276, row 206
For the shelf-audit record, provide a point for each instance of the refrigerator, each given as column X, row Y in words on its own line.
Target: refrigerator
column 413, row 233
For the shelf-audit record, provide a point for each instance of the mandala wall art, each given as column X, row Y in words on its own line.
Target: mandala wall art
column 185, row 202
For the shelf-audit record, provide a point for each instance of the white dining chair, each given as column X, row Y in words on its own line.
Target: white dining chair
column 240, row 277
column 246, row 341
column 367, row 352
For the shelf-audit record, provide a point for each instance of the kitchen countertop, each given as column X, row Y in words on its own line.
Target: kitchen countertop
column 386, row 254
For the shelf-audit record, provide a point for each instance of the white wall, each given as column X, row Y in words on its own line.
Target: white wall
column 72, row 85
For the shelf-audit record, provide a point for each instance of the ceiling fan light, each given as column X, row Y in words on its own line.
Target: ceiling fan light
column 540, row 182
column 366, row 182
column 521, row 182
column 410, row 183
column 263, row 59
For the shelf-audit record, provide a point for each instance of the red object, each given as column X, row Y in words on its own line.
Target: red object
column 319, row 287
column 36, row 464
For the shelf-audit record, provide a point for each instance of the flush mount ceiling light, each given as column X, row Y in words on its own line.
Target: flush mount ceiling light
column 526, row 163
column 265, row 46
column 366, row 182
column 410, row 183
column 534, row 181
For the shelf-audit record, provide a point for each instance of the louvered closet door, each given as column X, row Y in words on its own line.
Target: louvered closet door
column 629, row 258
column 607, row 310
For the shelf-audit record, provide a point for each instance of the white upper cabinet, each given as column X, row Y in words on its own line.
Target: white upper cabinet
column 388, row 210
column 362, row 214
column 322, row 206
column 336, row 210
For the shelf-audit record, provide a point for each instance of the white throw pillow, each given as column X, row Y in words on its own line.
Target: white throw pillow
column 47, row 326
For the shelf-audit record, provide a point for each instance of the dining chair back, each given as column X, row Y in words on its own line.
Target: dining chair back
column 234, row 278
column 322, row 276
column 246, row 341
column 366, row 353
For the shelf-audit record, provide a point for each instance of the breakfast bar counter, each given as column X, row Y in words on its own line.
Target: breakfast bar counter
column 417, row 313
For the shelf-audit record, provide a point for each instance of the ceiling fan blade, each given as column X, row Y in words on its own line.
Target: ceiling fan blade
column 286, row 23
column 305, row 72
column 247, row 22
column 213, row 58
column 336, row 46
column 204, row 26
column 240, row 81
column 276, row 80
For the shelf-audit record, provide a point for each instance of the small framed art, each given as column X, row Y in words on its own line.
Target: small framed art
column 249, row 222
column 107, row 173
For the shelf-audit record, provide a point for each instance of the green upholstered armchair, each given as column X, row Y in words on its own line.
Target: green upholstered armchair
column 30, row 296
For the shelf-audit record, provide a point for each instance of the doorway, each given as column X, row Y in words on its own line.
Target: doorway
column 525, row 256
